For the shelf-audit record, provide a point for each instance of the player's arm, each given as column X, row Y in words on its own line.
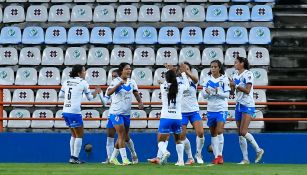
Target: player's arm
column 62, row 91
column 185, row 82
column 193, row 77
column 224, row 92
column 91, row 95
column 113, row 87
column 205, row 92
column 249, row 82
column 137, row 95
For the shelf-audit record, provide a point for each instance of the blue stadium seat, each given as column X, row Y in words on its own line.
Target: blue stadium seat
column 55, row 35
column 123, row 35
column 264, row 0
column 191, row 35
column 259, row 35
column 214, row 35
column 169, row 35
column 241, row 0
column 33, row 35
column 78, row 35
column 146, row 35
column 101, row 35
column 237, row 35
column 239, row 13
column 10, row 35
column 217, row 13
column 262, row 13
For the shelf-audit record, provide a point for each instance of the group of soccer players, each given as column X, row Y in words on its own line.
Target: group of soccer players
column 179, row 107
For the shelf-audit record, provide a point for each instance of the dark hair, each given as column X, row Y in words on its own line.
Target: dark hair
column 170, row 77
column 188, row 64
column 218, row 62
column 121, row 67
column 76, row 70
column 245, row 61
column 115, row 71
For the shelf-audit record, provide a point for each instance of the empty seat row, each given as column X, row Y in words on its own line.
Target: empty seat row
column 143, row 35
column 137, row 0
column 148, row 13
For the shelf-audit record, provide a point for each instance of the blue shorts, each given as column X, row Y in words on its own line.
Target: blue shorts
column 214, row 117
column 73, row 120
column 190, row 116
column 240, row 109
column 118, row 119
column 167, row 126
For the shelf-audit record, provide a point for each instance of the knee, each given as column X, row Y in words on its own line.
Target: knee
column 242, row 133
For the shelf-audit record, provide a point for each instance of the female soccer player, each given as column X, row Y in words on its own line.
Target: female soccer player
column 242, row 85
column 121, row 90
column 72, row 91
column 216, row 89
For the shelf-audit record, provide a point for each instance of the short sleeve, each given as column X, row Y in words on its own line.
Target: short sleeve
column 226, row 84
column 135, row 86
column 249, row 77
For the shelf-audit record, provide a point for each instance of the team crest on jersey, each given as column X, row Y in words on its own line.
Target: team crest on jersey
column 117, row 118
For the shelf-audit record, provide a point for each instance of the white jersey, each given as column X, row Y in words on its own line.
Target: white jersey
column 72, row 91
column 189, row 100
column 242, row 80
column 121, row 99
column 173, row 110
column 217, row 101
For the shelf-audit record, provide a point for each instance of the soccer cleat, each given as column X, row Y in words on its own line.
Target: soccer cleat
column 164, row 158
column 244, row 162
column 106, row 162
column 259, row 156
column 114, row 161
column 155, row 160
column 221, row 160
column 71, row 159
column 190, row 161
column 126, row 162
column 215, row 161
column 76, row 160
column 135, row 160
column 179, row 164
column 199, row 158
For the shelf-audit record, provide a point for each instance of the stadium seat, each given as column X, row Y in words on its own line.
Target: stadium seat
column 159, row 76
column 59, row 13
column 101, row 35
column 239, row 13
column 151, row 0
column 91, row 114
column 39, row 0
column 142, row 76
column 144, row 56
column 104, row 13
column 145, row 96
column 167, row 55
column 109, row 80
column 212, row 53
column 49, row 76
column 219, row 0
column 75, row 55
column 214, row 35
column 138, row 123
column 30, row 56
column 260, row 96
column 260, row 76
column 232, row 53
column 126, row 13
column 46, row 95
column 65, row 74
column 4, row 121
column 191, row 35
column 156, row 97
column 262, row 13
column 81, row 13
column 96, row 76
column 193, row 13
column 37, row 13
column 55, row 35
column 203, row 75
column 264, row 0
column 16, row 0
column 105, row 115
column 191, row 55
column 8, row 56
column 230, row 72
column 169, row 35
column 84, row 0
column 78, row 35
column 1, row 16
column 42, row 113
column 6, row 76
column 23, row 95
column 121, row 54
column 10, row 35
column 33, row 35
column 26, row 76
column 171, row 13
column 59, row 123
column 217, row 13
column 7, row 96
column 149, row 13
column 123, row 35
column 154, row 123
column 13, row 13
column 19, row 113
column 195, row 72
column 174, row 0
column 259, row 35
column 259, row 56
column 53, row 56
column 242, row 0
column 95, row 100
column 98, row 56
column 237, row 35
column 196, row 0
column 146, row 35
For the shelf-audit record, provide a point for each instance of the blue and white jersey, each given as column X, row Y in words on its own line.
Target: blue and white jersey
column 72, row 91
column 242, row 80
column 121, row 99
column 173, row 110
column 217, row 100
column 189, row 100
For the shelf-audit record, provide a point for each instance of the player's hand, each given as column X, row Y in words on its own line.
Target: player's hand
column 183, row 68
column 170, row 67
column 231, row 83
column 141, row 105
column 208, row 91
column 97, row 89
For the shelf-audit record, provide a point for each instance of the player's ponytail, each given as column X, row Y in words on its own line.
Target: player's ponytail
column 170, row 77
column 76, row 70
column 245, row 61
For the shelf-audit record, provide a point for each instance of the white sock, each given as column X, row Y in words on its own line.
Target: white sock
column 77, row 146
column 160, row 154
column 123, row 153
column 187, row 148
column 215, row 146
column 221, row 143
column 71, row 144
column 199, row 144
column 110, row 146
column 162, row 147
column 114, row 153
column 130, row 146
column 243, row 146
column 179, row 149
column 251, row 140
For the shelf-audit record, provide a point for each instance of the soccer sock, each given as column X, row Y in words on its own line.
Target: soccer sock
column 215, row 146
column 221, row 143
column 199, row 144
column 130, row 146
column 72, row 143
column 123, row 153
column 179, row 149
column 251, row 140
column 243, row 146
column 160, row 154
column 162, row 147
column 114, row 153
column 77, row 146
column 187, row 148
column 110, row 146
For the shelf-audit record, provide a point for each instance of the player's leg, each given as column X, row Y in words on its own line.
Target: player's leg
column 197, row 123
column 185, row 141
column 71, row 144
column 163, row 135
column 220, row 130
column 129, row 141
column 242, row 140
column 78, row 143
column 156, row 160
column 110, row 142
column 177, row 129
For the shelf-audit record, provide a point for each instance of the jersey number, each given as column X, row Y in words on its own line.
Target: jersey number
column 69, row 94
